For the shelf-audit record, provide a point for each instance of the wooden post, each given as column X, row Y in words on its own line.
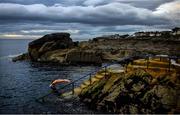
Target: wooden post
column 73, row 88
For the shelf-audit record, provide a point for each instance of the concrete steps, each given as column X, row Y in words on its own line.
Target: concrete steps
column 86, row 83
column 77, row 90
column 82, row 86
column 99, row 76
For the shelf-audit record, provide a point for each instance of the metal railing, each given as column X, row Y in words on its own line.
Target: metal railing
column 72, row 84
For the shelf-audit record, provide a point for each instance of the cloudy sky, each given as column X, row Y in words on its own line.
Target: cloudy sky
column 85, row 19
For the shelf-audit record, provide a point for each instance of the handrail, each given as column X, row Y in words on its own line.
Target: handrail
column 76, row 80
column 92, row 73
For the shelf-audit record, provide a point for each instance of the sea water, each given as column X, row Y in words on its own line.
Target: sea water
column 23, row 82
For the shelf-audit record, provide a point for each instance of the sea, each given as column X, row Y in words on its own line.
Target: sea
column 22, row 83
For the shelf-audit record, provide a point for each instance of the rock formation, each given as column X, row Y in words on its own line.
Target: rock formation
column 83, row 56
column 47, row 43
column 24, row 56
column 59, row 47
column 133, row 92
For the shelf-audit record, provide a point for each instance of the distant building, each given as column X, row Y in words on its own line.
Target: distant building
column 176, row 31
column 158, row 33
column 140, row 34
column 151, row 34
column 147, row 34
column 116, row 36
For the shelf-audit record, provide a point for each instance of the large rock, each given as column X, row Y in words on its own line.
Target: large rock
column 47, row 43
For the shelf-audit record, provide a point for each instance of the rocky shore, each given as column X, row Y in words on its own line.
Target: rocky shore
column 140, row 89
column 136, row 91
column 59, row 48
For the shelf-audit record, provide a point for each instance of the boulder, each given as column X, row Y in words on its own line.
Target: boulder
column 47, row 43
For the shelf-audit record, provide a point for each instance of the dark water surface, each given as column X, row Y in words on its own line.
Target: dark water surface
column 21, row 83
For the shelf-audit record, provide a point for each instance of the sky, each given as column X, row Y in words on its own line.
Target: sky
column 85, row 19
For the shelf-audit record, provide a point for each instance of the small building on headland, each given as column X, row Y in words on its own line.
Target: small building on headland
column 176, row 31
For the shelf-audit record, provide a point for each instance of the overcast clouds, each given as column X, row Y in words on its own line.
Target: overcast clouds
column 85, row 18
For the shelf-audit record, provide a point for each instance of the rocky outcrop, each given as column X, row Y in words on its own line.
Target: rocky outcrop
column 83, row 56
column 56, row 56
column 59, row 47
column 47, row 43
column 133, row 92
column 21, row 57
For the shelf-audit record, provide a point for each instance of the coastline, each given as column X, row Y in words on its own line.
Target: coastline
column 60, row 49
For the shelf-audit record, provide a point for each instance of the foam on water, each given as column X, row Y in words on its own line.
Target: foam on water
column 9, row 56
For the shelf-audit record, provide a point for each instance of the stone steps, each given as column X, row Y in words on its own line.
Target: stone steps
column 99, row 76
column 93, row 79
column 82, row 86
column 86, row 83
column 77, row 90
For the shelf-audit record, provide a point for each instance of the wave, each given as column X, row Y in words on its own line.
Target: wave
column 9, row 56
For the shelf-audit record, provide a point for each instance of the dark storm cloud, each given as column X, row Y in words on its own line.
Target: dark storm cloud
column 83, row 18
column 149, row 4
column 109, row 14
column 45, row 2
